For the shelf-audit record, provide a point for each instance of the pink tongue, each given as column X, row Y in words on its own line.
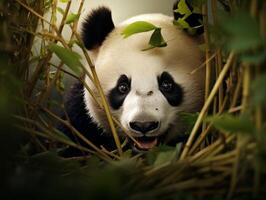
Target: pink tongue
column 147, row 144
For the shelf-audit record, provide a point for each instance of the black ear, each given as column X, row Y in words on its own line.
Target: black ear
column 97, row 25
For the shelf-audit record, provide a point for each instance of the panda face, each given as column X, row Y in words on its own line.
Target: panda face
column 147, row 105
column 146, row 90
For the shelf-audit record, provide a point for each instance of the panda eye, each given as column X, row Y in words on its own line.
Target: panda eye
column 123, row 88
column 167, row 86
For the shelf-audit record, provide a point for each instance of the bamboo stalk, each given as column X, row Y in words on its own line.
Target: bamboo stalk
column 207, row 104
column 205, row 150
column 34, row 12
column 108, row 112
column 203, row 134
column 103, row 98
column 207, row 53
column 207, row 56
column 62, row 23
column 220, row 147
column 240, row 138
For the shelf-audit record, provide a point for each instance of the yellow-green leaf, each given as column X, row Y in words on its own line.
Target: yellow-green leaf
column 72, row 18
column 181, row 23
column 182, row 8
column 138, row 27
column 60, row 10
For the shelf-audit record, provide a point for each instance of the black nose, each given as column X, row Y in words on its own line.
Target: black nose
column 143, row 127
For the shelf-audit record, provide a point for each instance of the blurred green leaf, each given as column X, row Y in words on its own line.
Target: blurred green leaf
column 188, row 118
column 127, row 154
column 203, row 47
column 47, row 4
column 256, row 58
column 64, row 1
column 60, row 10
column 72, row 18
column 243, row 32
column 70, row 58
column 138, row 27
column 230, row 123
column 152, row 154
column 258, row 90
column 166, row 155
column 165, row 158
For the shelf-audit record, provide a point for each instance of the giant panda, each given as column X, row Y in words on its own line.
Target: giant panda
column 146, row 90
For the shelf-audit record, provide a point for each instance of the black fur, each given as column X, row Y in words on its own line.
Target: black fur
column 173, row 96
column 116, row 98
column 97, row 25
column 79, row 118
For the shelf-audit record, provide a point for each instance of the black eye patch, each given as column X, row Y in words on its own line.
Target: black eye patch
column 118, row 94
column 170, row 89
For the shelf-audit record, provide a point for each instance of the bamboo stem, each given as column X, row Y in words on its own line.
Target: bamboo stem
column 207, row 56
column 207, row 104
column 104, row 101
column 108, row 112
column 34, row 12
column 240, row 138
column 62, row 23
column 206, row 131
column 207, row 53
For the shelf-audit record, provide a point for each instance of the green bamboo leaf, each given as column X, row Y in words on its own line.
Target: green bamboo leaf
column 60, row 10
column 138, row 27
column 64, row 1
column 70, row 58
column 157, row 39
column 164, row 158
column 188, row 118
column 182, row 8
column 72, row 18
column 230, row 123
column 181, row 23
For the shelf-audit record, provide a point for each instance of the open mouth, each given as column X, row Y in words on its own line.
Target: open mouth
column 145, row 143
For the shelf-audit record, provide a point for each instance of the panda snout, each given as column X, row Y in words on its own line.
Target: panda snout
column 144, row 127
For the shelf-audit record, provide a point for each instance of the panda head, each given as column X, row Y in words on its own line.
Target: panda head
column 146, row 90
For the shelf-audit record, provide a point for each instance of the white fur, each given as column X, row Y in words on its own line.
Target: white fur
column 119, row 56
